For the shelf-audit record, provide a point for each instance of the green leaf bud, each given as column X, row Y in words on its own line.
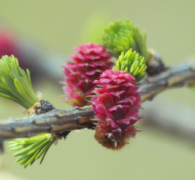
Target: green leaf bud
column 132, row 63
column 15, row 83
column 31, row 149
column 122, row 35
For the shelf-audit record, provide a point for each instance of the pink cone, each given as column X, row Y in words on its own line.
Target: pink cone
column 116, row 104
column 89, row 63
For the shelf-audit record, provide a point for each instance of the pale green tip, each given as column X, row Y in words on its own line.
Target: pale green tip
column 122, row 35
column 28, row 150
column 132, row 63
column 15, row 83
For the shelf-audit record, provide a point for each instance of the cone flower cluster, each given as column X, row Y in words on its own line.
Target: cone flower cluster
column 90, row 61
column 116, row 104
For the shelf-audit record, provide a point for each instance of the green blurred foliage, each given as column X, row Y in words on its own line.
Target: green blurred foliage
column 92, row 29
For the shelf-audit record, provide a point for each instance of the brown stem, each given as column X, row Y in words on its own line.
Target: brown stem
column 54, row 121
column 59, row 121
column 176, row 76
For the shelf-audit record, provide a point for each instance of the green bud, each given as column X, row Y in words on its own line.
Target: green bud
column 31, row 149
column 15, row 83
column 132, row 63
column 122, row 35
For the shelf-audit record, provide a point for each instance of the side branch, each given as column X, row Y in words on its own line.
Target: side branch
column 59, row 121
column 177, row 76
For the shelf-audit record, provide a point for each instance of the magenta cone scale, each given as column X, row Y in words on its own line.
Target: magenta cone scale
column 116, row 104
column 90, row 61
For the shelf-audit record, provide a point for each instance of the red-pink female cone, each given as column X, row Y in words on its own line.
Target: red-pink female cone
column 89, row 63
column 116, row 105
column 8, row 43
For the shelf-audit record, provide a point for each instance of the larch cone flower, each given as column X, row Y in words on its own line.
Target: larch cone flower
column 8, row 44
column 116, row 104
column 89, row 63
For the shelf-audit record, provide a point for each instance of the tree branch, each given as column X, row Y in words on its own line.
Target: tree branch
column 176, row 76
column 59, row 121
column 54, row 121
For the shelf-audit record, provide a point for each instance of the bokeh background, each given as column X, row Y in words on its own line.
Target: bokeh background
column 49, row 29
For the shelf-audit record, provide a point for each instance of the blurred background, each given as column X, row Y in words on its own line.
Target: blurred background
column 43, row 34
